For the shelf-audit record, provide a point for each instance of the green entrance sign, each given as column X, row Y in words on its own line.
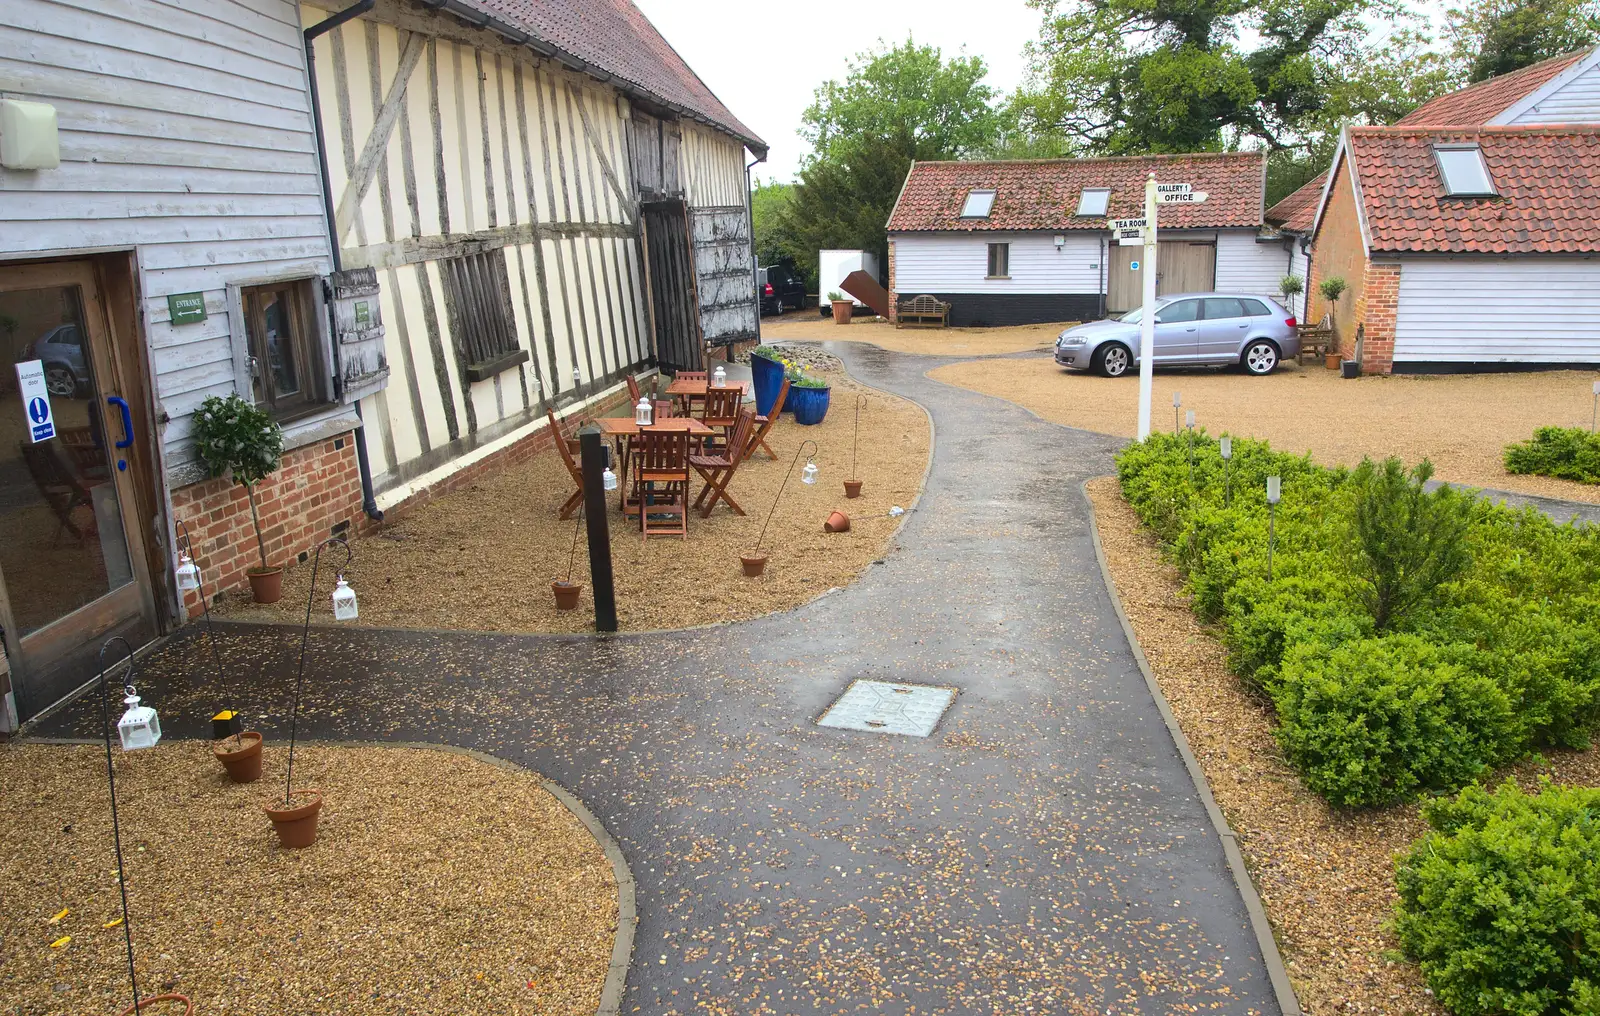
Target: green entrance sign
column 363, row 313
column 187, row 308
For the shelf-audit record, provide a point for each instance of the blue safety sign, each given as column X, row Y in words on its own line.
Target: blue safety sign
column 36, row 400
column 1133, row 266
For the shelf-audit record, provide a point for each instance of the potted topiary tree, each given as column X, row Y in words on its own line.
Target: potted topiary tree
column 235, row 438
column 1331, row 289
column 1291, row 286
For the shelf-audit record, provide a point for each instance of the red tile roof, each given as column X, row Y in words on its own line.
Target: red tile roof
column 1043, row 194
column 1480, row 103
column 1298, row 211
column 617, row 39
column 1547, row 179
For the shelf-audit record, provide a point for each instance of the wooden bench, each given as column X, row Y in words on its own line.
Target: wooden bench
column 1316, row 340
column 922, row 311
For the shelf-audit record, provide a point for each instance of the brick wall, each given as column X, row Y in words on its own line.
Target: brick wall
column 894, row 299
column 315, row 494
column 1379, row 301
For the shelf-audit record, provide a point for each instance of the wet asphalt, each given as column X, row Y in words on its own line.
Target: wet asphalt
column 1044, row 851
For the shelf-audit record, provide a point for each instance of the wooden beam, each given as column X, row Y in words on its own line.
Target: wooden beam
column 630, row 208
column 372, row 152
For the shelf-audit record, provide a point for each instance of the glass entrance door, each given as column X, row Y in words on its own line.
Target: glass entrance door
column 70, row 562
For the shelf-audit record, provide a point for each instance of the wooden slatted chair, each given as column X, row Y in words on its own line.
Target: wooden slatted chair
column 691, row 403
column 567, row 448
column 663, row 409
column 764, row 423
column 661, row 482
column 718, row 469
column 721, row 412
column 633, row 390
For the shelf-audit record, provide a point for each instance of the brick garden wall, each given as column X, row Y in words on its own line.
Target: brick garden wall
column 1376, row 311
column 315, row 494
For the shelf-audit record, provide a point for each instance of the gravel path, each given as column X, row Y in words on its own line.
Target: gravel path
column 1044, row 851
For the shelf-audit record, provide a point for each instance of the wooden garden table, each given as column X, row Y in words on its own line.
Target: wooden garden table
column 623, row 427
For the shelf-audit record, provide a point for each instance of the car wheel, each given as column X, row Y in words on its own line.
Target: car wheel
column 777, row 308
column 1113, row 359
column 59, row 380
column 1260, row 357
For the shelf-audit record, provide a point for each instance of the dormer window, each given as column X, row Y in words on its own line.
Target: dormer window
column 1093, row 201
column 1463, row 170
column 978, row 204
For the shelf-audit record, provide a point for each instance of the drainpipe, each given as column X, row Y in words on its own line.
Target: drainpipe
column 369, row 501
column 1105, row 273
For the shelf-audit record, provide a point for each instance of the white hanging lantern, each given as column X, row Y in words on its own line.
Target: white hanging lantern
column 1227, row 448
column 642, row 413
column 344, row 601
column 609, row 479
column 1274, row 489
column 896, row 511
column 139, row 727
column 188, row 573
column 809, row 473
column 719, row 377
column 577, row 375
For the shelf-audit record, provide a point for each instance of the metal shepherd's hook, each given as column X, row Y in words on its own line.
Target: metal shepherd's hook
column 305, row 636
column 186, row 548
column 861, row 400
column 111, row 781
column 779, row 495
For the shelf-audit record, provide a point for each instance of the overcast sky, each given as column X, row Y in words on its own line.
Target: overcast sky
column 764, row 61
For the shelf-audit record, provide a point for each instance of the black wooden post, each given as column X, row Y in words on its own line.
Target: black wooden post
column 596, row 508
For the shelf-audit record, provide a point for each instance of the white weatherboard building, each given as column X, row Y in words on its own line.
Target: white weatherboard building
column 527, row 203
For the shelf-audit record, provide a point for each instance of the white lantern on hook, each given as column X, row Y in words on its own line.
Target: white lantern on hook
column 188, row 573
column 344, row 601
column 808, row 475
column 719, row 377
column 642, row 413
column 139, row 727
column 577, row 375
column 609, row 479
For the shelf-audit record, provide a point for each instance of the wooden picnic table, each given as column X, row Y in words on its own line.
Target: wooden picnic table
column 623, row 427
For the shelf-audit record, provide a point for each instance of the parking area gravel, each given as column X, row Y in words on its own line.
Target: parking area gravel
column 1461, row 421
column 1324, row 875
column 806, row 326
column 439, row 885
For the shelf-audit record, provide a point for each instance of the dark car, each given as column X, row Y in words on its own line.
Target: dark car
column 779, row 289
column 66, row 369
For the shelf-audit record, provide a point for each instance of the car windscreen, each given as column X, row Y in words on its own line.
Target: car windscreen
column 1136, row 315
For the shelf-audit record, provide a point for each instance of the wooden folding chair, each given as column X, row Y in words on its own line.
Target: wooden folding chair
column 573, row 469
column 633, row 390
column 661, row 482
column 720, row 412
column 764, row 423
column 717, row 470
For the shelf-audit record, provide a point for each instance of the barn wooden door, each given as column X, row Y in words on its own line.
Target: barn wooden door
column 724, row 275
column 1182, row 266
column 670, row 274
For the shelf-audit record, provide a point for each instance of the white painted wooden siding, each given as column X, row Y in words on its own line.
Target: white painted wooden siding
column 958, row 263
column 1245, row 266
column 713, row 168
column 1529, row 310
column 186, row 133
column 490, row 147
column 1299, row 265
column 1574, row 101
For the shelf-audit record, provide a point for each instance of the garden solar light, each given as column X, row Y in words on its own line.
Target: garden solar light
column 641, row 414
column 1227, row 456
column 1177, row 402
column 1188, row 419
column 1274, row 489
column 344, row 601
column 1595, row 412
column 139, row 727
column 1227, row 448
column 188, row 573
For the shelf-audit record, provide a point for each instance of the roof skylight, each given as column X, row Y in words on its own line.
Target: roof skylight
column 1093, row 200
column 978, row 204
column 1463, row 170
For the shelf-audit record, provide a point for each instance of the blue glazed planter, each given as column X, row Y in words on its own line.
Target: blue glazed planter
column 768, row 378
column 810, row 405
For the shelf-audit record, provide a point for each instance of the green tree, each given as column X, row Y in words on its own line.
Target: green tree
column 1408, row 540
column 1499, row 36
column 896, row 105
column 775, row 238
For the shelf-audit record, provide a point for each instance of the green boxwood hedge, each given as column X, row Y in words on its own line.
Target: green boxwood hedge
column 1570, row 453
column 1501, row 656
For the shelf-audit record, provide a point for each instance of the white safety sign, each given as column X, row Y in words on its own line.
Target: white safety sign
column 36, row 400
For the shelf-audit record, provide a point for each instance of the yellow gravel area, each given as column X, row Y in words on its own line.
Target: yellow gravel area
column 1461, row 421
column 805, row 326
column 439, row 884
column 1326, row 876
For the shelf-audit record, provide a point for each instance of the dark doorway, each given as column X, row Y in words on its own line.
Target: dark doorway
column 670, row 274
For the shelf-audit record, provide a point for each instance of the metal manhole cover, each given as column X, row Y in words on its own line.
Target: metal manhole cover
column 886, row 707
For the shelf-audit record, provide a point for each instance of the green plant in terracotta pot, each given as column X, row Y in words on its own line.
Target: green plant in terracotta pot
column 235, row 438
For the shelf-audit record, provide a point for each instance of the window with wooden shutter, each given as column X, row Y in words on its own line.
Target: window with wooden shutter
column 479, row 294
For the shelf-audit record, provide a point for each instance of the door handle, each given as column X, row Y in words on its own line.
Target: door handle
column 127, row 427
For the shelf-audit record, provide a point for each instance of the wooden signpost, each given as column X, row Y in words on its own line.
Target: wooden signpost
column 1155, row 195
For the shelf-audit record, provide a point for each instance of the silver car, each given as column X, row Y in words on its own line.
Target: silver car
column 1192, row 330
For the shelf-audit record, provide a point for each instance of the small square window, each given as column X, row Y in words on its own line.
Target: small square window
column 478, row 295
column 285, row 371
column 1093, row 201
column 1464, row 171
column 999, row 260
column 978, row 204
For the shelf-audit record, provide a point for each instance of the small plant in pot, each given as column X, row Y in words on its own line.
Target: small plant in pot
column 809, row 397
column 1331, row 289
column 841, row 306
column 567, row 591
column 235, row 438
column 1291, row 286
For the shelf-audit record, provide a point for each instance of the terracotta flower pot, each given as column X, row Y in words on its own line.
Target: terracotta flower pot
column 1332, row 360
column 296, row 824
column 852, row 488
column 266, row 584
column 754, row 564
column 566, row 594
column 838, row 522
column 243, row 762
column 841, row 311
